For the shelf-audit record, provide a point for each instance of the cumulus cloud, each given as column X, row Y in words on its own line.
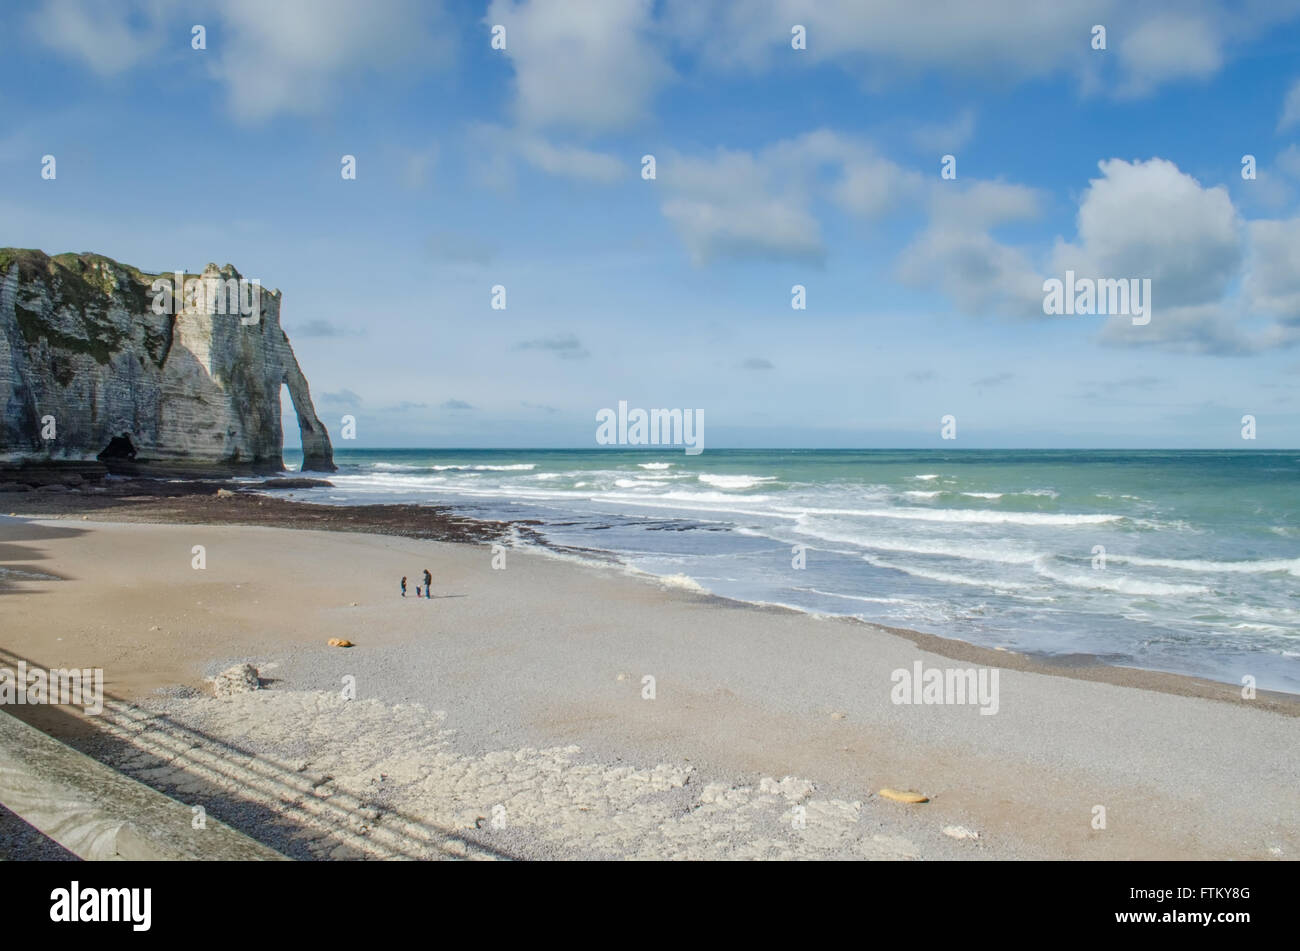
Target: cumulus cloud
column 590, row 66
column 958, row 253
column 742, row 204
column 757, row 363
column 1148, row 219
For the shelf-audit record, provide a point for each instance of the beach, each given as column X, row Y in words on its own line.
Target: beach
column 510, row 716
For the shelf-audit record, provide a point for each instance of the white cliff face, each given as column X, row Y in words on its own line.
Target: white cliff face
column 80, row 345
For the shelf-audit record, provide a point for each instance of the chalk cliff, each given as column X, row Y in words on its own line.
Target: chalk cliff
column 87, row 368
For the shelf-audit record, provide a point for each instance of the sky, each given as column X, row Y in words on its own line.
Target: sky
column 774, row 166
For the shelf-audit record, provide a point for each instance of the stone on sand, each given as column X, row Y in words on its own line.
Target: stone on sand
column 241, row 678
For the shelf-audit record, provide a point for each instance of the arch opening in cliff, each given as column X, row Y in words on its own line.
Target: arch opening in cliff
column 317, row 453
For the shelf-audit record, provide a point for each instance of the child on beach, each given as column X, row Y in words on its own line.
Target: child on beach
column 417, row 594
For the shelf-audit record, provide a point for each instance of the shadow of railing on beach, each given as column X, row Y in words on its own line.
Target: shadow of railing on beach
column 177, row 746
column 303, row 816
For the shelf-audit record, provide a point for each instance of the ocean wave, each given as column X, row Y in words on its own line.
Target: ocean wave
column 983, row 495
column 1003, row 553
column 734, row 481
column 927, row 476
column 1102, row 580
column 655, row 465
column 949, row 577
column 408, row 467
column 519, row 467
column 978, row 516
column 1261, row 567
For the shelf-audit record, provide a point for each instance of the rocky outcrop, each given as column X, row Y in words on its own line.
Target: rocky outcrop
column 89, row 370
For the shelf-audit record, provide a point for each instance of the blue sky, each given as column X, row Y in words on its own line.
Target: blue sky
column 774, row 167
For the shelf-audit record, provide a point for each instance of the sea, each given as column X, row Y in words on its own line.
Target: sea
column 1179, row 561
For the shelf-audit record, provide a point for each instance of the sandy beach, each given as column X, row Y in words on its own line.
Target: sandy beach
column 510, row 716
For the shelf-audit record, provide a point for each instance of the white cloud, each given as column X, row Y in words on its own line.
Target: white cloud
column 1149, row 43
column 588, row 66
column 503, row 147
column 1219, row 284
column 102, row 36
column 738, row 204
column 291, row 56
column 958, row 254
column 1151, row 220
column 572, row 162
column 1169, row 47
column 1272, row 281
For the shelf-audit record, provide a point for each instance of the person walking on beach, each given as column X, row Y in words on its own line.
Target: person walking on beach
column 403, row 586
column 428, row 581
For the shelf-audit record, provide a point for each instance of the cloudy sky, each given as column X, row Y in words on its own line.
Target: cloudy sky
column 774, row 167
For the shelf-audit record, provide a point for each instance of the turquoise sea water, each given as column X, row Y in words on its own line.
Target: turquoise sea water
column 1201, row 570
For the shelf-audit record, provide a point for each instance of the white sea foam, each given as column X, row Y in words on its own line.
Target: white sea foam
column 927, row 476
column 1108, row 580
column 964, row 515
column 734, row 481
column 1261, row 567
column 948, row 577
column 683, row 582
column 655, row 465
column 997, row 552
column 521, row 467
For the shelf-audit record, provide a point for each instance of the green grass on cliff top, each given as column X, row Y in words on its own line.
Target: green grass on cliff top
column 86, row 283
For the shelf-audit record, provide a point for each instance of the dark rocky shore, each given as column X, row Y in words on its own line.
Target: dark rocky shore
column 87, row 490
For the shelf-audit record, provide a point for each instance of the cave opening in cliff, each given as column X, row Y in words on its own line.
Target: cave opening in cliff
column 118, row 448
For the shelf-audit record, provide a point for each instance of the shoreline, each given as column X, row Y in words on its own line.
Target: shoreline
column 223, row 502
